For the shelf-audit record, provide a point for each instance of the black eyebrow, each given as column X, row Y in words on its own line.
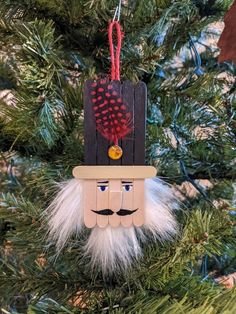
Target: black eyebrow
column 102, row 182
column 127, row 182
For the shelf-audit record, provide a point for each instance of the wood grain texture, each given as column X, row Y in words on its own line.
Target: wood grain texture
column 102, row 203
column 140, row 104
column 102, row 149
column 90, row 202
column 114, row 172
column 128, row 142
column 115, row 201
column 138, row 202
column 118, row 88
column 90, row 139
column 127, row 203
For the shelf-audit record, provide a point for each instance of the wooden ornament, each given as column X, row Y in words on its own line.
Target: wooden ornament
column 114, row 131
column 113, row 192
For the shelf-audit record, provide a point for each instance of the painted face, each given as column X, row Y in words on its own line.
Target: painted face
column 113, row 202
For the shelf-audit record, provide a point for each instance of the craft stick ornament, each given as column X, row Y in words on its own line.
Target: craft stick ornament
column 114, row 193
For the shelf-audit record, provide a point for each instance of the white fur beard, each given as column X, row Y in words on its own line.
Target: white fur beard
column 112, row 249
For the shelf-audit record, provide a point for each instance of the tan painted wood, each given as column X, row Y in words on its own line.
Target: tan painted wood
column 138, row 216
column 114, row 172
column 102, row 203
column 89, row 200
column 127, row 203
column 115, row 200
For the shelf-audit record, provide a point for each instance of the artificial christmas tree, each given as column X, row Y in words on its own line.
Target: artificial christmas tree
column 49, row 49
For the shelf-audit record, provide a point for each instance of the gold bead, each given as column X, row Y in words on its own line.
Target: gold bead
column 115, row 152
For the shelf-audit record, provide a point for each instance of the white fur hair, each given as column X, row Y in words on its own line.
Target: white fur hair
column 112, row 248
column 65, row 214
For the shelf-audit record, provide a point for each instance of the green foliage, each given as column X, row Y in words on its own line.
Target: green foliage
column 49, row 48
column 43, row 92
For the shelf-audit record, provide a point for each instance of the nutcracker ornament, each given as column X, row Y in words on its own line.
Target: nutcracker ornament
column 114, row 193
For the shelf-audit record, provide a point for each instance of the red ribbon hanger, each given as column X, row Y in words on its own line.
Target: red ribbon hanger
column 115, row 56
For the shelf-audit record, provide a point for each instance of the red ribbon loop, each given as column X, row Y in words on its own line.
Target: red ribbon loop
column 115, row 57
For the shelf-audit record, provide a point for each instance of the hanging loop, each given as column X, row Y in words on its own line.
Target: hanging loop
column 115, row 56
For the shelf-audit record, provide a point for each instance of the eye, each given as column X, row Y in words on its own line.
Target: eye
column 127, row 187
column 103, row 188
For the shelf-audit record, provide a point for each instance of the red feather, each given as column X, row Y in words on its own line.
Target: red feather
column 113, row 120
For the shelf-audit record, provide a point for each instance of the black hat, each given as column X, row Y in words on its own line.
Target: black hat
column 133, row 101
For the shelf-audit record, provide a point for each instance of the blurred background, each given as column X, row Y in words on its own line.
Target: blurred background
column 48, row 50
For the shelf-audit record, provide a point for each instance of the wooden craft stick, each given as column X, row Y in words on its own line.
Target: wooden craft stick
column 102, row 203
column 127, row 203
column 114, row 172
column 138, row 216
column 115, row 199
column 90, row 199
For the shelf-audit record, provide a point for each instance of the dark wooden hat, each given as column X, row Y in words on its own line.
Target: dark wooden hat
column 133, row 145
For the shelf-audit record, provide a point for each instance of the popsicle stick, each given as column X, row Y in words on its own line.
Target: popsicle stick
column 127, row 203
column 117, row 88
column 90, row 198
column 128, row 141
column 140, row 100
column 114, row 172
column 138, row 216
column 102, row 203
column 102, row 149
column 115, row 200
column 90, row 141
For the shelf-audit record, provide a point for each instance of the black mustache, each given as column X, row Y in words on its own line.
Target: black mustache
column 109, row 212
